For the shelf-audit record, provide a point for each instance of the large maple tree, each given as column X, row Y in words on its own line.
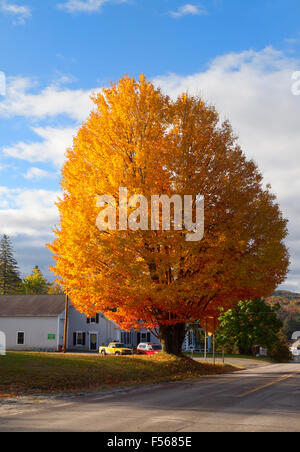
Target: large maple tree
column 140, row 139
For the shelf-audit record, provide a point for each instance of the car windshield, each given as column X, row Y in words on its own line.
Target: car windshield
column 119, row 345
column 156, row 347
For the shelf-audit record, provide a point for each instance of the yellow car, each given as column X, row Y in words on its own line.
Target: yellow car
column 115, row 348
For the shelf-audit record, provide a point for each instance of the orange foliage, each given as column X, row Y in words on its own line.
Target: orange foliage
column 140, row 139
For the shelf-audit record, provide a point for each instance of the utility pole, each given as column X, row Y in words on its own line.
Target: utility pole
column 214, row 342
column 205, row 340
column 66, row 323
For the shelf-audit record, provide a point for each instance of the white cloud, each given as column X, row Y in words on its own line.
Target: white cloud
column 37, row 173
column 28, row 217
column 86, row 6
column 293, row 40
column 50, row 102
column 72, row 6
column 188, row 9
column 20, row 12
column 253, row 90
column 52, row 148
column 29, row 212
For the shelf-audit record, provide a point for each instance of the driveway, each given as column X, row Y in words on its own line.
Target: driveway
column 238, row 362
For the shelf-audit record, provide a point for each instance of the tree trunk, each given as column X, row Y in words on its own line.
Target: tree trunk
column 172, row 337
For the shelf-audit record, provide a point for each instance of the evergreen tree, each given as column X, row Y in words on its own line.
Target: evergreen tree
column 35, row 283
column 10, row 281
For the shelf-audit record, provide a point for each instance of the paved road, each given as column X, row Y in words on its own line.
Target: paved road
column 261, row 399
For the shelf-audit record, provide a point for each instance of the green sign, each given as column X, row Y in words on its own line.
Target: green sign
column 51, row 337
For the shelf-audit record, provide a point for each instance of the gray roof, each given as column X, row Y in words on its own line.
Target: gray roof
column 31, row 305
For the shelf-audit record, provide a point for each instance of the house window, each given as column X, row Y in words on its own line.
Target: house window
column 145, row 337
column 126, row 338
column 79, row 338
column 94, row 319
column 20, row 338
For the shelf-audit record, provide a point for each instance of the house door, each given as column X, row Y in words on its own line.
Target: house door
column 93, row 341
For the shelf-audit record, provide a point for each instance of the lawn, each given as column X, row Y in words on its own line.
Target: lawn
column 37, row 373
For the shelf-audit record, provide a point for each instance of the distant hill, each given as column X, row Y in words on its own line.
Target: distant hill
column 289, row 302
column 290, row 309
column 286, row 294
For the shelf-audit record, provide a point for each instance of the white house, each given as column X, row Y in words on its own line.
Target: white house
column 32, row 322
column 36, row 322
column 295, row 349
column 86, row 334
column 194, row 341
column 296, row 336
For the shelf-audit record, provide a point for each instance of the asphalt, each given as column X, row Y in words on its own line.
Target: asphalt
column 261, row 399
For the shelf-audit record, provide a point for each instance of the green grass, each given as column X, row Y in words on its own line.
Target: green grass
column 38, row 373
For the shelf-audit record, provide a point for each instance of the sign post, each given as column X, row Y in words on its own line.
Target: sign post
column 66, row 323
column 2, row 344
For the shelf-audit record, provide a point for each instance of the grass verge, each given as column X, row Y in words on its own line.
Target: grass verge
column 39, row 373
column 219, row 356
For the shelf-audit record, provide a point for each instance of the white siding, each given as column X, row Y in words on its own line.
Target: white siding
column 106, row 330
column 36, row 330
column 133, row 338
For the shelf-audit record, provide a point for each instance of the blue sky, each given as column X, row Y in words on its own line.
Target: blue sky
column 239, row 55
column 138, row 36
